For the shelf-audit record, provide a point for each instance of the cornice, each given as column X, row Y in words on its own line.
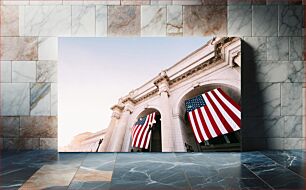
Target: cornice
column 219, row 44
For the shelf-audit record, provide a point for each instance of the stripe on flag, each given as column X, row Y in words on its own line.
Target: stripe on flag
column 141, row 133
column 213, row 114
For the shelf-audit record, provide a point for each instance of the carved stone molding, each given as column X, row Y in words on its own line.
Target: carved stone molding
column 162, row 83
column 117, row 110
column 129, row 108
column 116, row 115
column 219, row 50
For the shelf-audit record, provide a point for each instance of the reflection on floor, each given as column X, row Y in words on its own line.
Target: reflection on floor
column 122, row 171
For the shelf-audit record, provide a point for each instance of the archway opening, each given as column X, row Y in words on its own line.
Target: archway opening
column 155, row 144
column 227, row 142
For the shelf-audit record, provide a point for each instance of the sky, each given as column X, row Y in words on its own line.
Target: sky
column 93, row 73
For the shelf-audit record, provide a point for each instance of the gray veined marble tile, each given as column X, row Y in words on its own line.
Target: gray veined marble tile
column 279, row 71
column 290, row 20
column 254, row 129
column 46, row 2
column 267, row 101
column 9, row 127
column 9, row 21
column 278, row 48
column 205, row 20
column 239, row 2
column 189, row 2
column 144, row 171
column 18, row 48
column 258, row 46
column 296, row 48
column 214, row 2
column 47, row 48
column 100, row 2
column 6, row 71
column 272, row 71
column 74, row 2
column 153, row 20
column 15, row 99
column 272, row 126
column 291, row 99
column 284, row 2
column 23, row 71
column 38, row 126
column 174, row 20
column 161, row 2
column 101, row 20
column 48, row 144
column 275, row 143
column 54, row 98
column 40, row 99
column 46, row 71
column 47, row 20
column 10, row 143
column 293, row 127
column 100, row 161
column 239, row 20
column 295, row 71
column 294, row 143
column 265, row 20
column 83, row 20
column 74, row 185
column 125, row 23
column 135, row 2
column 17, row 2
column 28, row 143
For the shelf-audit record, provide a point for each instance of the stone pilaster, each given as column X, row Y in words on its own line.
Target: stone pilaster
column 118, row 134
column 117, row 109
column 166, row 127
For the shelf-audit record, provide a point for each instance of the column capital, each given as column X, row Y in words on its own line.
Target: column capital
column 129, row 103
column 117, row 110
column 116, row 115
column 162, row 82
column 129, row 108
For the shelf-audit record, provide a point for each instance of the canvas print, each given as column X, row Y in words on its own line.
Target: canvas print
column 149, row 94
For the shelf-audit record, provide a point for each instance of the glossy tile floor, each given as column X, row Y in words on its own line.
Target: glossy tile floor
column 248, row 170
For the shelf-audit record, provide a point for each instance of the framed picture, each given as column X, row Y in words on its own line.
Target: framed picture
column 149, row 94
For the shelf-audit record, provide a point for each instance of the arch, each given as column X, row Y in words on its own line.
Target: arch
column 180, row 110
column 234, row 84
column 155, row 143
column 144, row 109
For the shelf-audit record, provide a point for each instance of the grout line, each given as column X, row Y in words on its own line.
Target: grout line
column 113, row 171
column 184, row 172
column 282, row 165
column 277, row 164
column 257, row 176
column 77, row 169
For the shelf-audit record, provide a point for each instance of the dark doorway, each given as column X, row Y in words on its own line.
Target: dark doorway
column 155, row 144
column 155, row 141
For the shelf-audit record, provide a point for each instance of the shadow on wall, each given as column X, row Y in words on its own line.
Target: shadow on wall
column 253, row 103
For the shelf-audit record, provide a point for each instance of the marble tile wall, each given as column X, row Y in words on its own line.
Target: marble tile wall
column 273, row 65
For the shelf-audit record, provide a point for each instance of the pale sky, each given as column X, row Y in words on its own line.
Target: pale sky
column 93, row 73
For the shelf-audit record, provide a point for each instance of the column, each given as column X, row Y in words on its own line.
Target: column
column 118, row 135
column 166, row 126
column 177, row 123
column 114, row 120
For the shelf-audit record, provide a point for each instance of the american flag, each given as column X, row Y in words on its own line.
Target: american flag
column 141, row 133
column 213, row 114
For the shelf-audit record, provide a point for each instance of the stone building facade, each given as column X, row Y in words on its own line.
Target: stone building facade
column 216, row 64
